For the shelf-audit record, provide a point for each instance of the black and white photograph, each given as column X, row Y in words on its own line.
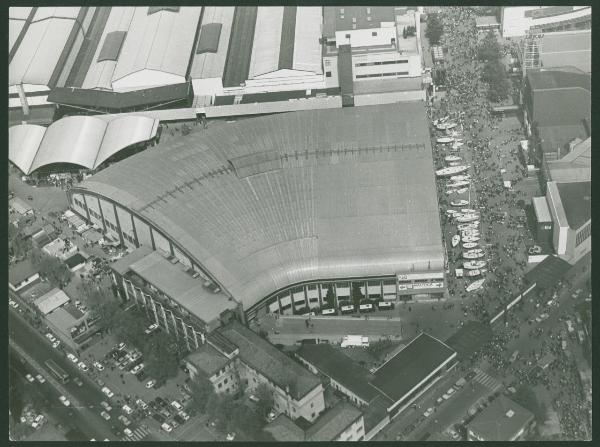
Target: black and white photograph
column 290, row 223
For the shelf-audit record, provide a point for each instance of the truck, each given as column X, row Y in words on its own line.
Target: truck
column 355, row 340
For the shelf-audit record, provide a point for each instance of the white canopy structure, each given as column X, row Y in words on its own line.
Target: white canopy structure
column 87, row 141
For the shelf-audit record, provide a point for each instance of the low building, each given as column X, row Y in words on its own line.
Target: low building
column 413, row 370
column 73, row 327
column 75, row 262
column 342, row 422
column 51, row 301
column 214, row 365
column 570, row 208
column 543, row 222
column 59, row 248
column 21, row 275
column 487, row 23
column 296, row 391
column 20, row 207
column 576, row 166
column 502, row 420
column 173, row 295
column 517, row 21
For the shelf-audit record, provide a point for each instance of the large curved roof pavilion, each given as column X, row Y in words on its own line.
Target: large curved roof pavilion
column 268, row 202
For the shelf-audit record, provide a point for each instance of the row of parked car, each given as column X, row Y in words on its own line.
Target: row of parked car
column 169, row 415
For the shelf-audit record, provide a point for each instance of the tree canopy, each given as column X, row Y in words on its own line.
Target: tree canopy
column 434, row 30
column 489, row 49
column 265, row 396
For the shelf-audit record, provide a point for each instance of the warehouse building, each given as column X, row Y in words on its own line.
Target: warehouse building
column 503, row 420
column 270, row 207
column 517, row 21
column 567, row 48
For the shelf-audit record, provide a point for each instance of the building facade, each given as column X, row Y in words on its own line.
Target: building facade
column 518, row 20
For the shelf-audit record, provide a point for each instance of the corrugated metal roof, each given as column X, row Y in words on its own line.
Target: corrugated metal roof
column 35, row 60
column 335, row 209
column 307, row 48
column 51, row 300
column 209, row 38
column 161, row 42
column 212, row 65
column 288, row 36
column 267, row 38
column 112, row 46
column 237, row 64
column 23, row 143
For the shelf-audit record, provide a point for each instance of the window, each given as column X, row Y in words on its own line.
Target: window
column 374, row 33
column 327, row 74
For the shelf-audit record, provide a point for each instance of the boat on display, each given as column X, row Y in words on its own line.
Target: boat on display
column 475, row 255
column 456, row 145
column 451, row 212
column 469, row 210
column 468, row 238
column 464, row 218
column 452, row 158
column 451, row 191
column 476, row 285
column 455, row 240
column 468, row 226
column 471, row 273
column 445, row 140
column 450, row 126
column 460, row 178
column 461, row 202
column 459, row 184
column 470, row 245
column 454, row 163
column 462, row 190
column 472, row 265
column 452, row 170
column 474, row 250
column 469, row 233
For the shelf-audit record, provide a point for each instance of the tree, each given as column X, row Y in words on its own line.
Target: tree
column 489, row 49
column 330, row 297
column 265, row 396
column 17, row 246
column 435, row 29
column 357, row 294
column 54, row 270
column 160, row 358
column 129, row 326
column 202, row 390
column 102, row 304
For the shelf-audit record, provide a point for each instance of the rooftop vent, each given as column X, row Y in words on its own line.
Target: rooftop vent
column 510, row 413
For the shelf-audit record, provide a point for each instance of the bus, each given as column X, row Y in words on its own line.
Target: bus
column 57, row 371
column 347, row 309
column 385, row 305
column 366, row 308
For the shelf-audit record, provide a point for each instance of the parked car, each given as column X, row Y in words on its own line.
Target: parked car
column 78, row 381
column 166, row 427
column 428, row 412
column 106, row 405
column 64, row 401
column 140, row 403
column 271, row 416
column 82, row 366
column 150, row 383
column 50, row 337
column 137, row 369
column 151, row 328
column 128, row 432
column 174, row 423
column 29, row 378
column 126, row 422
column 177, row 405
column 105, row 415
column 158, row 418
column 56, row 343
column 253, row 398
column 40, row 378
column 230, row 436
column 108, row 392
column 127, row 409
column 98, row 366
column 71, row 357
column 182, row 414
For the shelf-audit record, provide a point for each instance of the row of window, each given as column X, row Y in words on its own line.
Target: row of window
column 79, row 203
column 369, row 64
column 95, row 214
column 583, row 234
column 379, row 75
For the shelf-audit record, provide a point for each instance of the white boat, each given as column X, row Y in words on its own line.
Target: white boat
column 462, row 190
column 467, row 238
column 445, row 140
column 469, row 233
column 468, row 226
column 467, row 218
column 460, row 178
column 450, row 191
column 455, row 240
column 470, row 245
column 457, row 144
column 451, row 212
column 459, row 184
column 475, row 272
column 472, row 265
column 461, row 202
column 459, row 272
column 450, row 126
column 452, row 158
column 469, row 210
column 454, row 163
column 474, row 250
column 475, row 255
column 475, row 285
column 451, row 171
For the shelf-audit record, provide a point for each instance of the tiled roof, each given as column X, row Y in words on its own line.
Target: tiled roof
column 208, row 360
column 333, row 422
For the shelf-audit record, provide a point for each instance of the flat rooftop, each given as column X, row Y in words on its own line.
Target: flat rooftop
column 422, row 356
column 174, row 282
column 501, row 420
column 567, row 48
column 341, row 18
column 208, row 360
column 340, row 368
column 576, row 200
column 333, row 422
